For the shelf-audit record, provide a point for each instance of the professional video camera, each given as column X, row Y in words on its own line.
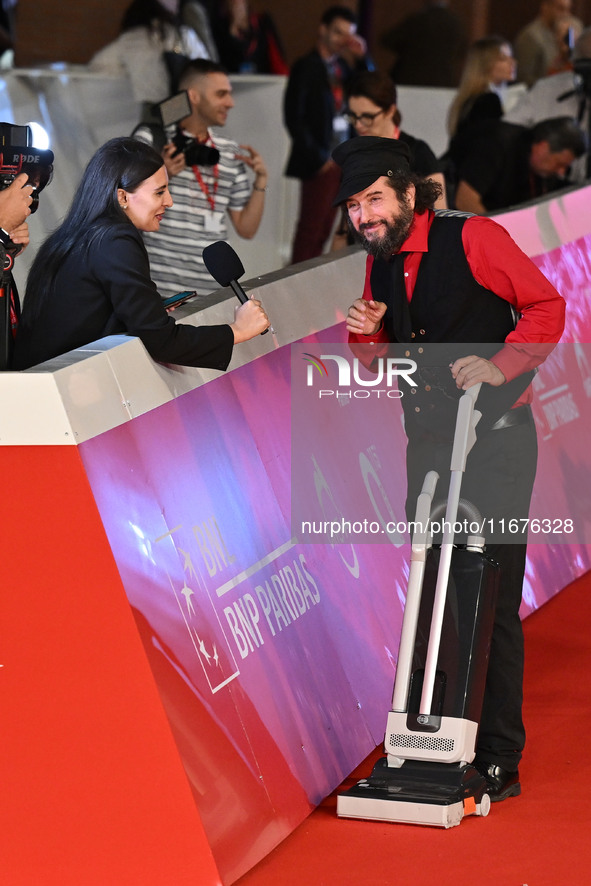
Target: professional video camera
column 174, row 109
column 17, row 155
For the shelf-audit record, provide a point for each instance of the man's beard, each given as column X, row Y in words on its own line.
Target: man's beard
column 395, row 233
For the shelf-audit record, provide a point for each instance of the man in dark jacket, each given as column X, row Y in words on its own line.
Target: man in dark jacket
column 499, row 164
column 314, row 115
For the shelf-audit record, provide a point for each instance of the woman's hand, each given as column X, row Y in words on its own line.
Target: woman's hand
column 250, row 320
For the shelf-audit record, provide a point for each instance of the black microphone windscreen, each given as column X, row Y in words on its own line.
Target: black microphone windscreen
column 222, row 262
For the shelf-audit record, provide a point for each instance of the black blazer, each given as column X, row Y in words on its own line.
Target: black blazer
column 308, row 110
column 104, row 288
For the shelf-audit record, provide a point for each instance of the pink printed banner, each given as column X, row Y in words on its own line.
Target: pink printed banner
column 348, row 429
column 274, row 659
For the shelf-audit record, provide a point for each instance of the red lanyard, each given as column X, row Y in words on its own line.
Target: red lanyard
column 197, row 173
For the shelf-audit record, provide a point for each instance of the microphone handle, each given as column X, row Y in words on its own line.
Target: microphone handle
column 238, row 291
column 242, row 296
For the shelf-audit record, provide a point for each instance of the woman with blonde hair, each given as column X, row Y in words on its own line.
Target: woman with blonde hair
column 489, row 67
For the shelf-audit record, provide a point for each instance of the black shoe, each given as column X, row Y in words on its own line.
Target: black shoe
column 500, row 783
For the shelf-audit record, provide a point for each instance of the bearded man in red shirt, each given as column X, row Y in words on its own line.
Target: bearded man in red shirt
column 453, row 279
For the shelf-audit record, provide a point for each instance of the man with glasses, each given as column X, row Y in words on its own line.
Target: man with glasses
column 314, row 115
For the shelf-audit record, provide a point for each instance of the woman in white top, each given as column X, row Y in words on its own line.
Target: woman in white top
column 150, row 40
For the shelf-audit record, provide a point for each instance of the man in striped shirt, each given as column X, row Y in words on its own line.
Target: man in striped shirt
column 205, row 195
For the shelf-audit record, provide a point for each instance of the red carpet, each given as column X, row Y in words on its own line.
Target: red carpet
column 540, row 838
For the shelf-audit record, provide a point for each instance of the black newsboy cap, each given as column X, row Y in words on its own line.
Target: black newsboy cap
column 364, row 159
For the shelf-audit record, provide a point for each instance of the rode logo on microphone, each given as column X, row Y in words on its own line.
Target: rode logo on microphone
column 355, row 381
column 25, row 158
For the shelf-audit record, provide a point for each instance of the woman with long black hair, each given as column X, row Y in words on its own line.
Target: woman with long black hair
column 91, row 277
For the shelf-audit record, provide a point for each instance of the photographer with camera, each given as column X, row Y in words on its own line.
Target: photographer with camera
column 567, row 93
column 24, row 172
column 208, row 182
column 15, row 207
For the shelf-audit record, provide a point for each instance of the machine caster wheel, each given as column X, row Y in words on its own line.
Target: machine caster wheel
column 483, row 808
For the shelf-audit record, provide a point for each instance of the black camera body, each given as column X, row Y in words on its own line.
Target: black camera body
column 195, row 153
column 17, row 155
column 172, row 111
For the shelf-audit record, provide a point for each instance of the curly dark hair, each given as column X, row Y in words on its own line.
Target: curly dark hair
column 426, row 190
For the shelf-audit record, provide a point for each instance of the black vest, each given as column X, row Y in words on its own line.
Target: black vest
column 447, row 305
column 449, row 309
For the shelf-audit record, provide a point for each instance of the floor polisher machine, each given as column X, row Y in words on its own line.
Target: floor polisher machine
column 427, row 776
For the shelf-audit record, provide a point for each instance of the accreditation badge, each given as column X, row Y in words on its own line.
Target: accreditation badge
column 213, row 222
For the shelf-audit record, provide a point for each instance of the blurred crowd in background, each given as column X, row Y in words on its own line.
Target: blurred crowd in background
column 501, row 151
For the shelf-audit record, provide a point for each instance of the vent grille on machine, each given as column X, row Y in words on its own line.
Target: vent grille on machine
column 422, row 742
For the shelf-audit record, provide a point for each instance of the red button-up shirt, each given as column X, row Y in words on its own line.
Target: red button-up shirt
column 498, row 264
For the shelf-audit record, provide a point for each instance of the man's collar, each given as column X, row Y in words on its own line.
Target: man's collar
column 201, row 140
column 194, row 127
column 417, row 240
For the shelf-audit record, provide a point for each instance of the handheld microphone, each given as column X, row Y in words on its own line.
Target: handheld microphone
column 225, row 267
